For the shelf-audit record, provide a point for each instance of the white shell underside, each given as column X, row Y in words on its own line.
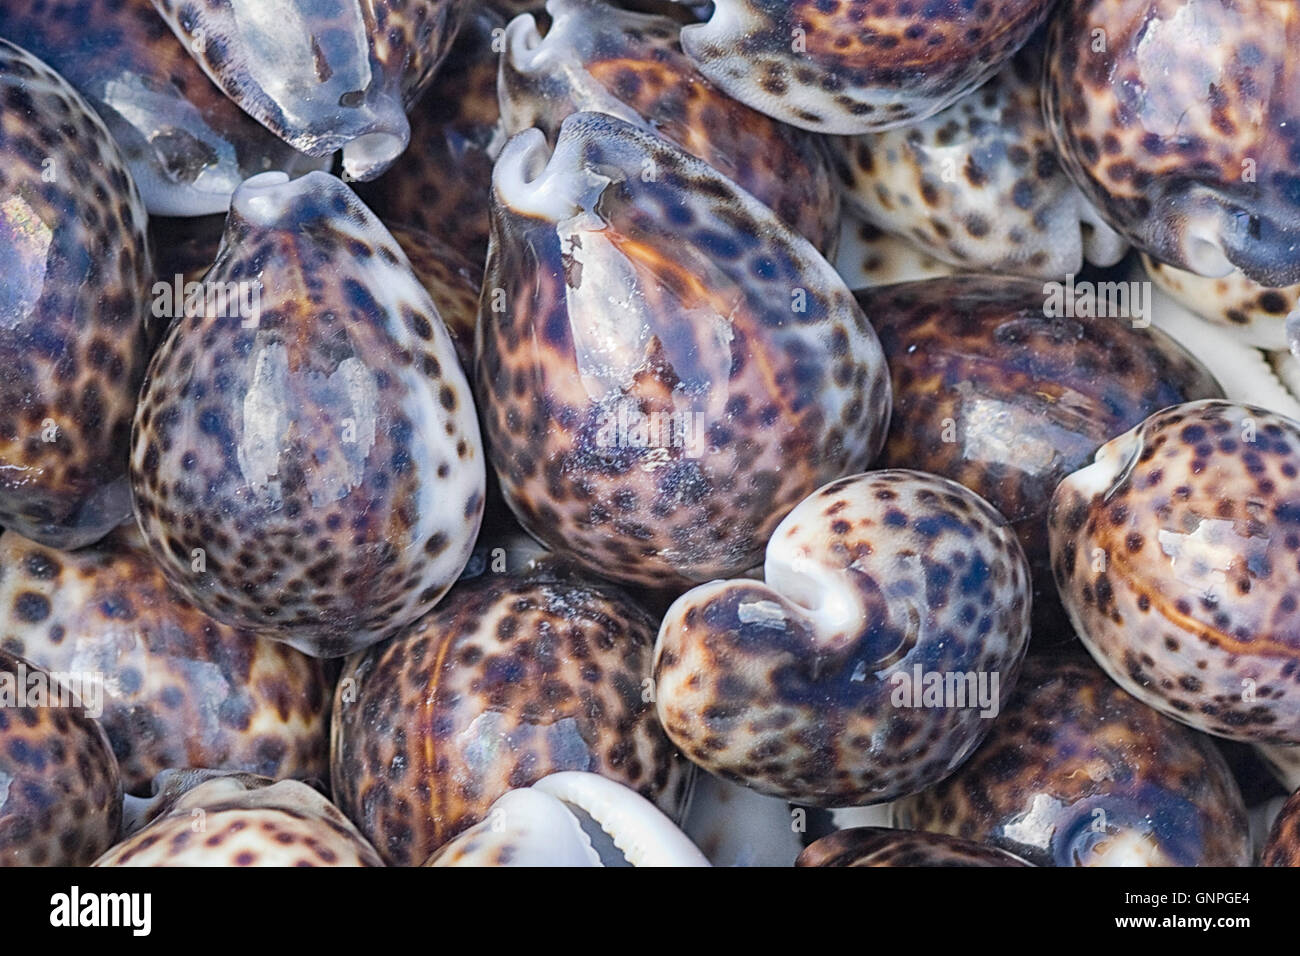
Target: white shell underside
column 543, row 826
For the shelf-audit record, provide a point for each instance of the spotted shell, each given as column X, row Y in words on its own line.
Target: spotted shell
column 73, row 339
column 60, row 794
column 452, row 280
column 627, row 278
column 512, row 677
column 631, row 65
column 240, row 821
column 322, row 76
column 441, row 185
column 1078, row 773
column 1283, row 846
column 1176, row 118
column 810, row 685
column 1255, row 313
column 179, row 689
column 1176, row 554
column 185, row 142
column 998, row 395
column 853, row 66
column 312, row 471
column 978, row 185
column 880, row 846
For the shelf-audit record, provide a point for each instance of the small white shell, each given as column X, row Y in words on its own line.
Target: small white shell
column 542, row 826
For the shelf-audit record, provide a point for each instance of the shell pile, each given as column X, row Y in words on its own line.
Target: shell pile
column 650, row 433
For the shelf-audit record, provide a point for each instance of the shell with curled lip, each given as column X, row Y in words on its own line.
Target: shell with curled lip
column 597, row 57
column 852, row 66
column 1176, row 118
column 1078, row 773
column 994, row 394
column 186, row 143
column 179, row 689
column 442, row 183
column 311, row 471
column 322, row 76
column 978, row 185
column 627, row 278
column 74, row 268
column 1177, row 554
column 816, row 683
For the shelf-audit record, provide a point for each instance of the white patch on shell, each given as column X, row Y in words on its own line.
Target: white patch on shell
column 1110, row 462
column 530, row 181
column 541, row 826
column 525, row 827
column 266, row 422
column 638, row 828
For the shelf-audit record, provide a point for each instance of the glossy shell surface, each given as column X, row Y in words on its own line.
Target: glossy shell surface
column 511, row 678
column 243, row 821
column 322, row 76
column 73, row 343
column 849, row 66
column 1177, row 554
column 597, row 57
column 61, row 803
column 979, row 184
column 664, row 368
column 311, row 470
column 1177, row 118
column 1078, row 773
column 187, row 144
column 997, row 395
column 812, row 684
column 179, row 689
